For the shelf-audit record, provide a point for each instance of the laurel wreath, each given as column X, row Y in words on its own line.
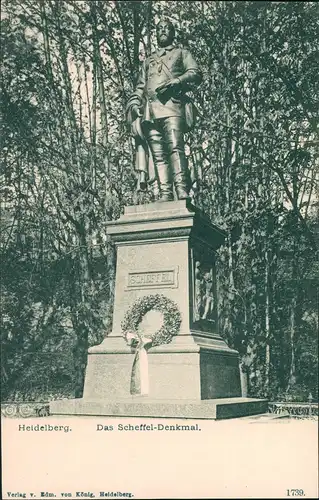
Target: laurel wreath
column 171, row 319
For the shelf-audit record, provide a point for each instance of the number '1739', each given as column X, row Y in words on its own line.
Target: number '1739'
column 295, row 493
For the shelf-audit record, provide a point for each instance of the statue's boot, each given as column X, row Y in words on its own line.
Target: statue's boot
column 180, row 175
column 165, row 181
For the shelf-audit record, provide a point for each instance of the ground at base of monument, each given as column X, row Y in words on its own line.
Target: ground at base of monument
column 214, row 409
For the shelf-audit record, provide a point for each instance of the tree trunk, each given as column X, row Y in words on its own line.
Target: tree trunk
column 267, row 321
column 292, row 324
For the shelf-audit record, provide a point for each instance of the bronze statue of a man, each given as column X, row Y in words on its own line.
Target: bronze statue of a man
column 156, row 110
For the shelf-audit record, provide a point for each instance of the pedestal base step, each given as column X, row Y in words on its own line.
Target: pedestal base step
column 214, row 409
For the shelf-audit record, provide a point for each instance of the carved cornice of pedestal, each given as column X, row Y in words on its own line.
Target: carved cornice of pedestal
column 144, row 236
column 173, row 220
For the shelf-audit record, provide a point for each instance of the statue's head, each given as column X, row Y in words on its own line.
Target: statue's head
column 208, row 275
column 165, row 32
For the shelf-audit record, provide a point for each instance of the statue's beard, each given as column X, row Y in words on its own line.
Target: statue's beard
column 164, row 40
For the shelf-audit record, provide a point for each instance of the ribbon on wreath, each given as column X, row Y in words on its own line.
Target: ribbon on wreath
column 139, row 375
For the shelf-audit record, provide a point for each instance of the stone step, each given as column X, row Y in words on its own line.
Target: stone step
column 214, row 409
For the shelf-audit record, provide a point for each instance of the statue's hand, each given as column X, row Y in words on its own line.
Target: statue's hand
column 169, row 85
column 135, row 112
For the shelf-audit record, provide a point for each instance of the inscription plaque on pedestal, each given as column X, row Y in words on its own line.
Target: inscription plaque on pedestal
column 149, row 279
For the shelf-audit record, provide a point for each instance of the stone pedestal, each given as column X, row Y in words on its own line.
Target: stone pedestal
column 167, row 248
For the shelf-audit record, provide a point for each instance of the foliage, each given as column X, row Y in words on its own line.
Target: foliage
column 67, row 70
